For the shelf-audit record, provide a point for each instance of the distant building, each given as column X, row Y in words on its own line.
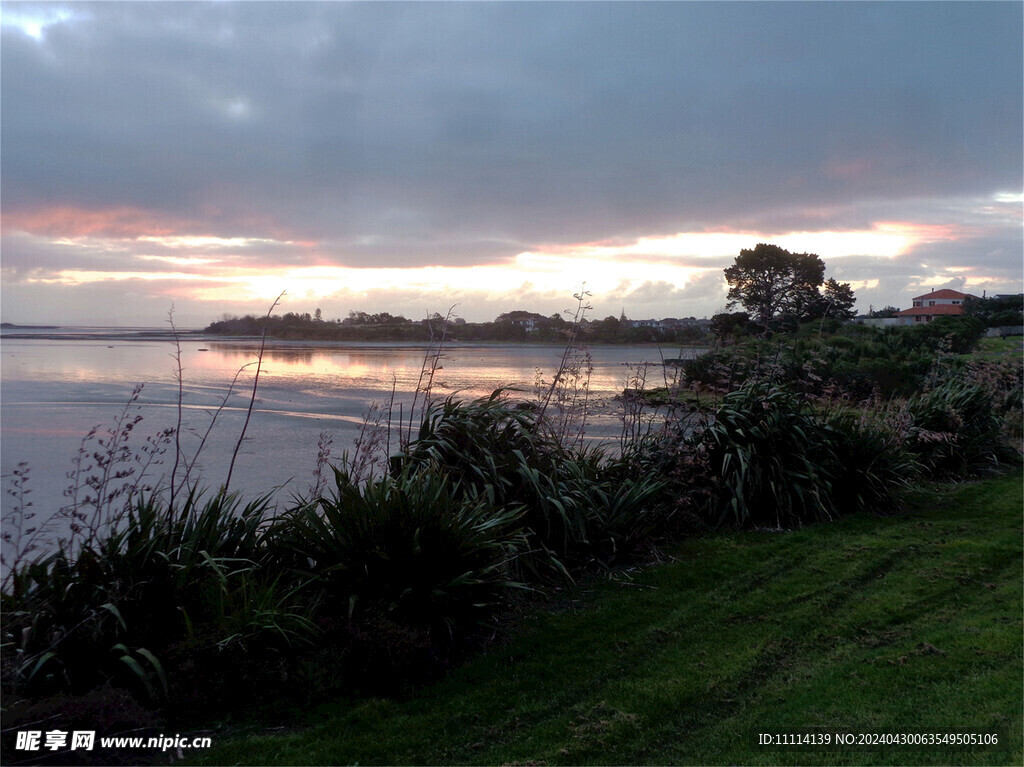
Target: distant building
column 938, row 303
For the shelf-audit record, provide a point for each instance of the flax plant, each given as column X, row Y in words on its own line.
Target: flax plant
column 413, row 546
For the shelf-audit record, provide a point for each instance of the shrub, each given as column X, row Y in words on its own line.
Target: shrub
column 590, row 508
column 960, row 333
column 873, row 466
column 161, row 576
column 718, row 370
column 1004, row 382
column 576, row 505
column 956, row 429
column 772, row 461
column 481, row 445
column 777, row 463
column 855, row 360
column 682, row 468
column 410, row 547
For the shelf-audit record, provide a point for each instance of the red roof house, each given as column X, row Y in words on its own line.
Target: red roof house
column 938, row 303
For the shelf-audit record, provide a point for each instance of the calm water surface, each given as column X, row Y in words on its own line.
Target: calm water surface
column 55, row 389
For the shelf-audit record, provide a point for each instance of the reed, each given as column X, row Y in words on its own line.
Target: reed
column 252, row 397
column 569, row 388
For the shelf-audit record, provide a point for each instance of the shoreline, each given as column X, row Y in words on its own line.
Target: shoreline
column 127, row 334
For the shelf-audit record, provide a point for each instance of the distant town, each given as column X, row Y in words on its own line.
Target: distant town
column 521, row 325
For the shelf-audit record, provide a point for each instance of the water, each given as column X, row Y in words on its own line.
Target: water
column 56, row 386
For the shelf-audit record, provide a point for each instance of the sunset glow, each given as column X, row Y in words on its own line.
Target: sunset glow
column 672, row 261
column 620, row 269
column 885, row 240
column 179, row 241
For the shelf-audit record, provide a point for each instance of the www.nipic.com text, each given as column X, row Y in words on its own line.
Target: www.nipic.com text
column 55, row 740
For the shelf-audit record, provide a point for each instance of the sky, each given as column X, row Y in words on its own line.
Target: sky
column 491, row 156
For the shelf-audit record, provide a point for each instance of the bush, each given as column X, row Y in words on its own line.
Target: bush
column 110, row 610
column 777, row 463
column 688, row 484
column 853, row 360
column 772, row 461
column 993, row 312
column 576, row 505
column 1004, row 382
column 411, row 548
column 592, row 509
column 956, row 430
column 717, row 370
column 960, row 333
column 481, row 445
column 873, row 466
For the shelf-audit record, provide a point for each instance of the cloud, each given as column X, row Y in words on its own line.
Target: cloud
column 410, row 119
column 68, row 221
column 403, row 135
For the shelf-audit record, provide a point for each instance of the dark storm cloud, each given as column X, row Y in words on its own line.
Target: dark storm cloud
column 435, row 133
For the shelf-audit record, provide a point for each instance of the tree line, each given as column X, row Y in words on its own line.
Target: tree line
column 512, row 326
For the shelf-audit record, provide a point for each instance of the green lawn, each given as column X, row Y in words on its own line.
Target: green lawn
column 900, row 624
column 998, row 348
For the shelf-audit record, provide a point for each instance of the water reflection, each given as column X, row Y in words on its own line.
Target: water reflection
column 55, row 390
column 307, row 363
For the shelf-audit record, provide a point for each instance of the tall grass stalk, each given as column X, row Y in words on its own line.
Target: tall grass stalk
column 428, row 369
column 583, row 305
column 21, row 536
column 190, row 465
column 323, row 456
column 252, row 397
column 180, row 381
column 108, row 473
column 370, row 448
column 636, row 421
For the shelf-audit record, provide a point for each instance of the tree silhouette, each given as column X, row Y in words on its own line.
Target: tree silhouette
column 771, row 283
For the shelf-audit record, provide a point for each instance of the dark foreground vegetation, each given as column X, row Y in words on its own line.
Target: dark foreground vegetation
column 907, row 622
column 855, row 361
column 170, row 610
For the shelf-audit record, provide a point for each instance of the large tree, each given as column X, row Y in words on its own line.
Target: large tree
column 840, row 296
column 770, row 283
column 836, row 301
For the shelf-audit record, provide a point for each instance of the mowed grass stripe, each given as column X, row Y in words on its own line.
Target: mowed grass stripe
column 905, row 623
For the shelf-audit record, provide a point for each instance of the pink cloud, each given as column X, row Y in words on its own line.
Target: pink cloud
column 923, row 232
column 68, row 221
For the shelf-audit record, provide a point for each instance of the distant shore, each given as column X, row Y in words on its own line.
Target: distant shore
column 11, row 331
column 10, row 325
